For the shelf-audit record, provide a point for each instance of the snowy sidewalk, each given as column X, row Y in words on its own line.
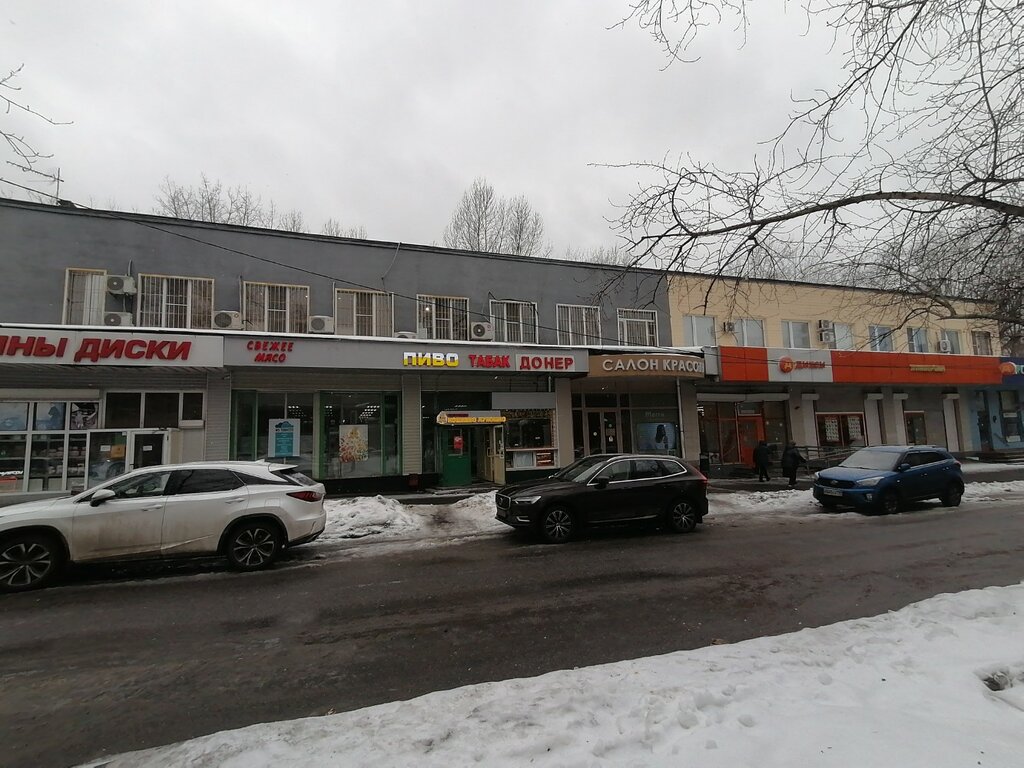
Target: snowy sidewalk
column 910, row 688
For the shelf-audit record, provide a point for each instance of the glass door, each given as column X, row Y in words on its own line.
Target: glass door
column 108, row 456
column 603, row 432
column 751, row 432
column 148, row 449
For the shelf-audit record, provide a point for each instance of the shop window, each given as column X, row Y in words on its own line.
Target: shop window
column 749, row 333
column 578, row 325
column 275, row 308
column 161, row 410
column 175, row 302
column 192, row 406
column 515, row 322
column 880, row 338
column 442, row 317
column 796, row 334
column 949, row 341
column 84, row 416
column 917, row 340
column 124, row 410
column 638, row 327
column 363, row 313
column 85, row 296
column 360, row 433
column 981, row 341
column 12, row 462
column 13, row 417
column 528, row 431
column 1009, row 411
column 917, row 434
column 841, row 430
column 699, row 331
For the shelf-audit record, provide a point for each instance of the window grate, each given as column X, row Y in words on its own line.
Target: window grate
column 363, row 313
column 578, row 325
column 175, row 302
column 275, row 308
column 443, row 317
column 514, row 322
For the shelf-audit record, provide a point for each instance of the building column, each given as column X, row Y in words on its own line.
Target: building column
column 892, row 414
column 808, row 421
column 218, row 416
column 563, row 421
column 689, row 420
column 872, row 421
column 412, row 425
column 952, row 422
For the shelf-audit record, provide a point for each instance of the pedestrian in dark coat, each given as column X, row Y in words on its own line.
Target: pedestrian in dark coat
column 791, row 462
column 762, row 456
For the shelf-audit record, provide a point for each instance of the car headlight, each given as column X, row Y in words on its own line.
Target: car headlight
column 868, row 482
column 814, row 477
column 527, row 499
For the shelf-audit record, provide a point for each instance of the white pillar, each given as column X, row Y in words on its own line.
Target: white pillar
column 898, row 398
column 810, row 424
column 872, row 422
column 949, row 414
column 688, row 419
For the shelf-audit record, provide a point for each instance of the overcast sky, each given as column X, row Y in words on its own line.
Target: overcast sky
column 382, row 113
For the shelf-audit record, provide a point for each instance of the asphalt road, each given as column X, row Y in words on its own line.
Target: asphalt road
column 126, row 660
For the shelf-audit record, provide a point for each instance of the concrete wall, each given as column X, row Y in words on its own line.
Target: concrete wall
column 41, row 242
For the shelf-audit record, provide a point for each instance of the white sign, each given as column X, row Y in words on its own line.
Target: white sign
column 46, row 346
column 283, row 438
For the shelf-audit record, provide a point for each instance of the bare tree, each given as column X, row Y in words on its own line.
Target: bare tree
column 23, row 154
column 334, row 228
column 601, row 254
column 928, row 198
column 292, row 221
column 484, row 222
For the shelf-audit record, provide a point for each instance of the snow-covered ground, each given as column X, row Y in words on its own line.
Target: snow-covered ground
column 379, row 519
column 978, row 467
column 904, row 689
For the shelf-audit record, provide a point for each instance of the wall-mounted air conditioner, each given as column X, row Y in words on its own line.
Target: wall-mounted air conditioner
column 226, row 320
column 827, row 337
column 117, row 319
column 121, row 285
column 480, row 331
column 729, row 326
column 945, row 346
column 321, row 324
column 405, row 335
column 825, row 325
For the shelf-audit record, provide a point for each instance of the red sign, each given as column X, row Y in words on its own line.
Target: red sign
column 270, row 351
column 788, row 364
column 490, row 361
column 37, row 347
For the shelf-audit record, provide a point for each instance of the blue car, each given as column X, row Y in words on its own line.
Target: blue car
column 883, row 478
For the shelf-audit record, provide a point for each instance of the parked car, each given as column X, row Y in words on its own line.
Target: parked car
column 607, row 488
column 885, row 477
column 246, row 511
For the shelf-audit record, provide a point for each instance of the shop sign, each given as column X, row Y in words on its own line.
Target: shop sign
column 266, row 351
column 787, row 364
column 1010, row 368
column 545, row 363
column 680, row 366
column 490, row 361
column 430, row 359
column 928, row 368
column 283, row 437
column 790, row 365
column 30, row 346
column 469, row 418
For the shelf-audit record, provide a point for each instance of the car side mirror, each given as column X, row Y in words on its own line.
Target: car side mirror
column 903, row 467
column 601, row 483
column 102, row 495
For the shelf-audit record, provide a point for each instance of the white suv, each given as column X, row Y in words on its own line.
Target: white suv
column 245, row 510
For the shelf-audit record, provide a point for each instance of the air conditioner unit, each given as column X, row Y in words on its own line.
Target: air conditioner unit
column 825, row 325
column 405, row 335
column 117, row 319
column 122, row 285
column 729, row 326
column 945, row 346
column 321, row 324
column 480, row 331
column 226, row 320
column 827, row 337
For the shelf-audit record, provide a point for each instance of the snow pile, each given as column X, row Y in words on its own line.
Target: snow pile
column 904, row 689
column 969, row 467
column 992, row 491
column 768, row 503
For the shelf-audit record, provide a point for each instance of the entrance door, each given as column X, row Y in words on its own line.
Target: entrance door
column 147, row 449
column 494, row 461
column 603, row 432
column 108, row 456
column 984, row 420
column 751, row 432
column 456, row 456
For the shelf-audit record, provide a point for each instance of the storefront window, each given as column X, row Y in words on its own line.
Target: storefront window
column 916, row 433
column 434, row 403
column 360, row 433
column 161, row 409
column 124, row 410
column 841, row 430
column 50, row 417
column 1009, row 407
column 242, row 426
column 528, row 438
column 37, row 452
column 12, row 462
column 13, row 417
column 656, row 431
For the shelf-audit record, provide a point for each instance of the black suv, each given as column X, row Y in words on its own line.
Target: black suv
column 607, row 488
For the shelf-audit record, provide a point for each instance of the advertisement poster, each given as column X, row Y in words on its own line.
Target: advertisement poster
column 85, row 415
column 13, row 417
column 656, row 437
column 353, row 443
column 284, row 437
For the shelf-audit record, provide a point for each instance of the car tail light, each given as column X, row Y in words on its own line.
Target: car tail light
column 703, row 479
column 306, row 495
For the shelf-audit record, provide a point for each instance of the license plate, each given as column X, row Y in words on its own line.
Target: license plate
column 832, row 491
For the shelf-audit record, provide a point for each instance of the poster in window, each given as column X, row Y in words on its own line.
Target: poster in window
column 283, row 437
column 832, row 429
column 353, row 443
column 854, row 426
column 13, row 417
column 49, row 416
column 85, row 415
column 656, row 437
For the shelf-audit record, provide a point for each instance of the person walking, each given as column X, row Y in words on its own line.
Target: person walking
column 792, row 460
column 761, row 458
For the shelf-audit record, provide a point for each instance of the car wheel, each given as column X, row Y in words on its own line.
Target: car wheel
column 253, row 545
column 952, row 495
column 682, row 517
column 557, row 525
column 29, row 561
column 889, row 503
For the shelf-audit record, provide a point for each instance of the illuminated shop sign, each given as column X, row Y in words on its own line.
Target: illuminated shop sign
column 1010, row 368
column 430, row 360
column 469, row 418
column 545, row 363
column 788, row 364
column 650, row 365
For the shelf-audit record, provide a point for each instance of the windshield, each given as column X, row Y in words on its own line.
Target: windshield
column 581, row 470
column 869, row 459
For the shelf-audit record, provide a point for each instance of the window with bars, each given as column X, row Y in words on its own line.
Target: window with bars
column 85, row 296
column 442, row 317
column 175, row 302
column 981, row 341
column 578, row 324
column 638, row 327
column 514, row 322
column 363, row 313
column 275, row 308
